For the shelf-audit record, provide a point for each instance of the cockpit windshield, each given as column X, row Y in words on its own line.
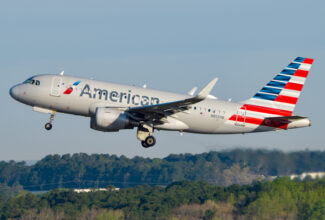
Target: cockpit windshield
column 32, row 81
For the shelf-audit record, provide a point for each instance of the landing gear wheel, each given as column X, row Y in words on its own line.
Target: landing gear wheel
column 48, row 126
column 145, row 135
column 143, row 143
column 150, row 141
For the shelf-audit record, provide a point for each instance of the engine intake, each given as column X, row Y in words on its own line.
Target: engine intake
column 110, row 120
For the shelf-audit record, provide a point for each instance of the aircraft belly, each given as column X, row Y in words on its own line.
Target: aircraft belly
column 69, row 105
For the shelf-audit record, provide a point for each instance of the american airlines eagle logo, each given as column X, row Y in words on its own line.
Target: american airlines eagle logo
column 70, row 89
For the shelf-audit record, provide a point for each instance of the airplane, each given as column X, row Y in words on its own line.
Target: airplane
column 112, row 107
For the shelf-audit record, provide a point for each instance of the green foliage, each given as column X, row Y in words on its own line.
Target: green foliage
column 280, row 199
column 111, row 215
column 163, row 188
column 287, row 199
column 7, row 192
column 317, row 211
column 99, row 170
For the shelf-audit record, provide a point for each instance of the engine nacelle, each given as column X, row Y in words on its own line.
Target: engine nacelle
column 110, row 119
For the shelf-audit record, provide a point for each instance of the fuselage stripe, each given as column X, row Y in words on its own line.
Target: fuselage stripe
column 267, row 110
column 258, row 121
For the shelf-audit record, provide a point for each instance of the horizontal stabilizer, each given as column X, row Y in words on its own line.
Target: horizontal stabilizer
column 287, row 122
column 287, row 118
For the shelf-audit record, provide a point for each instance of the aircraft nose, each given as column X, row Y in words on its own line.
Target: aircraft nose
column 14, row 91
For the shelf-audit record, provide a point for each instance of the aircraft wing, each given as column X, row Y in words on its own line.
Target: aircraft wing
column 158, row 111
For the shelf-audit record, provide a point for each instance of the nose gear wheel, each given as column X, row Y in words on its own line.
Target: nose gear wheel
column 48, row 126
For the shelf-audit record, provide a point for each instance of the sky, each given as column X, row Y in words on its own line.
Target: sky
column 167, row 45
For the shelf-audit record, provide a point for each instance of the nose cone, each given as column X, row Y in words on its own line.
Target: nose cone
column 14, row 92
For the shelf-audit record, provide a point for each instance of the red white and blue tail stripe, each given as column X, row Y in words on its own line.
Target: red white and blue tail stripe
column 280, row 95
column 277, row 98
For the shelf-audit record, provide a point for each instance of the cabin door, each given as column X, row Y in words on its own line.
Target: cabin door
column 56, row 86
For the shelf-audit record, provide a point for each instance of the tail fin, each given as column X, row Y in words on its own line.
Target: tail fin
column 280, row 95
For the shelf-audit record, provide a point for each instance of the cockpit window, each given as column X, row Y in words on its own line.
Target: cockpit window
column 32, row 81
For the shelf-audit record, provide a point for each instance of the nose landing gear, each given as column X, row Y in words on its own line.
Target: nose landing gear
column 48, row 126
column 145, row 135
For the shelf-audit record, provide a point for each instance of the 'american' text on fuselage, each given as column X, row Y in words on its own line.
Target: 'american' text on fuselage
column 122, row 97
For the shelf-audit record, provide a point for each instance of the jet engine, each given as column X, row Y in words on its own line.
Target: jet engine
column 110, row 120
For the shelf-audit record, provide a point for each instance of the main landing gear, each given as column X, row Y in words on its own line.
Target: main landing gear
column 48, row 126
column 148, row 142
column 145, row 135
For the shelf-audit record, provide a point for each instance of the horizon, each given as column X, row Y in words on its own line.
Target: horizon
column 264, row 150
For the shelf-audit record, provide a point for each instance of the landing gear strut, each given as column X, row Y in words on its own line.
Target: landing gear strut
column 48, row 126
column 145, row 135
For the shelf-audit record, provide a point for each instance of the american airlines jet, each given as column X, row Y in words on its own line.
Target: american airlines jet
column 112, row 107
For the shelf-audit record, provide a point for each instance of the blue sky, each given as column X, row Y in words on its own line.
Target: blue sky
column 168, row 45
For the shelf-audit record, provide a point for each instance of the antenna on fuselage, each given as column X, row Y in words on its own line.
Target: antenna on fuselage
column 62, row 73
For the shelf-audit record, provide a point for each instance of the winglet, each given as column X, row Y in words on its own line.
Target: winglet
column 206, row 90
column 192, row 91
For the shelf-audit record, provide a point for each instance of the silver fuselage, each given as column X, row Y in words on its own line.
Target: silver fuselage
column 210, row 116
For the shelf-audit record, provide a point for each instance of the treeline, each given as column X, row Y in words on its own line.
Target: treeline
column 99, row 170
column 281, row 199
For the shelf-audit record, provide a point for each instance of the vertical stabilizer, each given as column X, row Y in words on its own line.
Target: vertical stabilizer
column 280, row 95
